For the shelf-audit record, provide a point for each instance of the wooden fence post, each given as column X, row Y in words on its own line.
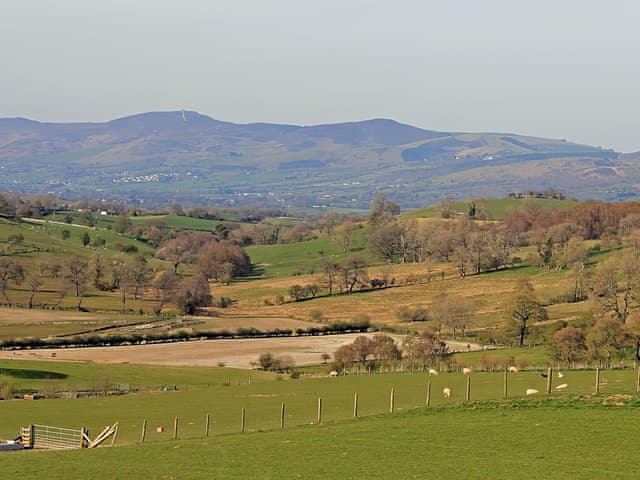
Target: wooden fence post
column 175, row 428
column 242, row 420
column 505, row 392
column 282, row 416
column 428, row 400
column 207, row 424
column 319, row 410
column 355, row 405
column 144, row 431
column 468, row 396
column 549, row 379
column 83, row 432
column 597, row 380
column 115, row 436
column 638, row 381
column 392, row 401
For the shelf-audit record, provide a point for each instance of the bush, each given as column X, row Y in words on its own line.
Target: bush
column 15, row 238
column 406, row 314
column 222, row 302
column 316, row 315
column 7, row 390
column 125, row 247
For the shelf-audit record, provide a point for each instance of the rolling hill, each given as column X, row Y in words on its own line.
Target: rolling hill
column 161, row 157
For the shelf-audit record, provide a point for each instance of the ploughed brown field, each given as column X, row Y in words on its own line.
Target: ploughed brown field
column 239, row 353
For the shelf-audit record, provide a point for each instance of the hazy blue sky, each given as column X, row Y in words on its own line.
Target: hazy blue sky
column 557, row 68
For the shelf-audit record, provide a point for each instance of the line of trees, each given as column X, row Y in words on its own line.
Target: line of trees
column 419, row 349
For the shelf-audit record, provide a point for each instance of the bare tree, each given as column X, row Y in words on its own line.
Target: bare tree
column 165, row 283
column 176, row 251
column 615, row 284
column 383, row 210
column 344, row 235
column 330, row 270
column 353, row 271
column 10, row 273
column 525, row 308
column 77, row 275
column 34, row 286
column 193, row 294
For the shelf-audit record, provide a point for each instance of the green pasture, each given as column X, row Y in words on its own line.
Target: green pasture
column 47, row 238
column 224, row 392
column 283, row 259
column 37, row 375
column 524, row 357
column 175, row 222
column 494, row 208
column 547, row 440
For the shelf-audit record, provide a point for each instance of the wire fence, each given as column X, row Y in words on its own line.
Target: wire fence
column 249, row 408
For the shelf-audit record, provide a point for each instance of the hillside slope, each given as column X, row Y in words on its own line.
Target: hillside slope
column 161, row 157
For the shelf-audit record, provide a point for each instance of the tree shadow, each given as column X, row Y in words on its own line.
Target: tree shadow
column 32, row 374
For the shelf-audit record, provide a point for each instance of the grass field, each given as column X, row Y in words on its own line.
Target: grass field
column 546, row 440
column 34, row 375
column 223, row 392
column 283, row 259
column 494, row 208
column 489, row 292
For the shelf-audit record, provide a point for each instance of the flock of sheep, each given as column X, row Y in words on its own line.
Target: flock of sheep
column 446, row 391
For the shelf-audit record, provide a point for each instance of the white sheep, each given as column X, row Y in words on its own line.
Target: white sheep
column 513, row 369
column 446, row 392
column 333, row 373
column 562, row 387
column 467, row 371
column 532, row 391
column 560, row 375
column 433, row 371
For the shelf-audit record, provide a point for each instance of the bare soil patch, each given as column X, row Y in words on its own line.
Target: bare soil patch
column 239, row 353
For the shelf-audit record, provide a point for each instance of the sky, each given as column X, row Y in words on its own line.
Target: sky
column 551, row 68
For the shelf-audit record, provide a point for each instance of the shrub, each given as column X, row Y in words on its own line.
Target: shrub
column 125, row 247
column 406, row 314
column 316, row 315
column 223, row 302
column 7, row 390
column 15, row 238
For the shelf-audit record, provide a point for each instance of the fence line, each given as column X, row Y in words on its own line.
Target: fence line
column 466, row 388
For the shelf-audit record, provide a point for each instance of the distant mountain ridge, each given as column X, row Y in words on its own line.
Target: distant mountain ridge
column 163, row 157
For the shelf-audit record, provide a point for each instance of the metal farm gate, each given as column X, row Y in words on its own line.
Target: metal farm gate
column 53, row 438
column 59, row 438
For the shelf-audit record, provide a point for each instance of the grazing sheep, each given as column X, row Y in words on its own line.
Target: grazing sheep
column 446, row 392
column 513, row 369
column 562, row 387
column 532, row 391
column 560, row 375
column 467, row 371
column 544, row 375
column 433, row 372
column 333, row 373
